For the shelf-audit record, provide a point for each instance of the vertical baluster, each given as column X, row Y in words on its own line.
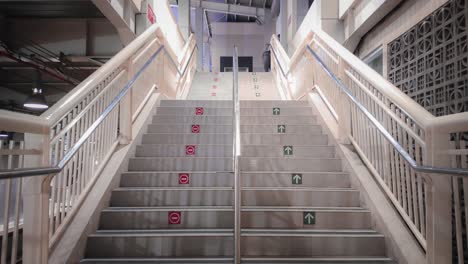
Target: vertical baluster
column 19, row 181
column 6, row 208
column 402, row 165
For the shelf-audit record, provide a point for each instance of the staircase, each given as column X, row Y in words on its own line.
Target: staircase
column 175, row 203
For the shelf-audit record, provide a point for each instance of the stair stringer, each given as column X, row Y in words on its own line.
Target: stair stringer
column 401, row 245
column 72, row 245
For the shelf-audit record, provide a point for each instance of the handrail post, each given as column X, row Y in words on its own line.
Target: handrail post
column 125, row 108
column 438, row 199
column 344, row 111
column 236, row 154
column 36, row 204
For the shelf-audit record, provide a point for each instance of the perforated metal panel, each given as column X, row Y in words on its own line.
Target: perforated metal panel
column 430, row 61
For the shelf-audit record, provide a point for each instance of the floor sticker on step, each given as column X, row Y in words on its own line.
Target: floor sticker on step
column 281, row 128
column 190, row 150
column 184, row 178
column 296, row 178
column 199, row 110
column 174, row 218
column 195, row 129
column 276, row 111
column 309, row 218
column 288, row 150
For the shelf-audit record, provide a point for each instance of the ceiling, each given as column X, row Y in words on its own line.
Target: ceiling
column 22, row 57
column 238, row 18
column 49, row 9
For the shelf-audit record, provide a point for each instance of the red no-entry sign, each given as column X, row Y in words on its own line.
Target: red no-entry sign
column 184, row 178
column 199, row 111
column 196, row 129
column 190, row 150
column 174, row 218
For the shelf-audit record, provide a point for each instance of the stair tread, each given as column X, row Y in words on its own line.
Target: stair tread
column 163, row 232
column 174, row 188
column 230, row 208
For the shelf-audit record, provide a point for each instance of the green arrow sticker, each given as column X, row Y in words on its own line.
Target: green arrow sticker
column 281, row 128
column 309, row 218
column 287, row 150
column 276, row 111
column 296, row 178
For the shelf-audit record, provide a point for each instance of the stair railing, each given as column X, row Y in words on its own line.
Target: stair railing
column 419, row 160
column 236, row 148
column 66, row 148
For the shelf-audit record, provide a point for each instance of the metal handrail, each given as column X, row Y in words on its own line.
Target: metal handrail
column 285, row 74
column 383, row 131
column 26, row 172
column 186, row 64
column 236, row 152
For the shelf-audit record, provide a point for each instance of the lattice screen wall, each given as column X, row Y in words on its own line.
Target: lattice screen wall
column 430, row 61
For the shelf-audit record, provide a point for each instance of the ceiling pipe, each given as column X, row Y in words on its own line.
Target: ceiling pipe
column 275, row 8
column 40, row 68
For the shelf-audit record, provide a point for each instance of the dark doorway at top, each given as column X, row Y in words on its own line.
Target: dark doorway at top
column 245, row 63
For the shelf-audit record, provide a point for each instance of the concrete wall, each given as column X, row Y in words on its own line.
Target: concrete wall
column 405, row 16
column 323, row 14
column 250, row 38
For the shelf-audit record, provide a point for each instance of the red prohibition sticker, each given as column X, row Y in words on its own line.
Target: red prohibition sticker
column 196, row 129
column 198, row 110
column 190, row 150
column 174, row 218
column 184, row 178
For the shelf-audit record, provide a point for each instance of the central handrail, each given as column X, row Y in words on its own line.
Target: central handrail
column 26, row 172
column 383, row 131
column 236, row 152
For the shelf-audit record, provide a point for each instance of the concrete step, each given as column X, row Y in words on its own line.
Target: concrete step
column 179, row 150
column 290, row 164
column 246, row 139
column 195, row 217
column 270, row 150
column 289, row 179
column 258, row 260
column 160, row 243
column 270, row 104
column 159, row 260
column 226, row 179
column 188, row 111
column 218, row 164
column 226, row 129
column 318, row 260
column 228, row 104
column 196, row 103
column 174, row 196
column 219, row 139
column 205, row 150
column 293, row 217
column 284, row 139
column 312, row 243
column 227, row 120
column 300, row 196
column 176, row 179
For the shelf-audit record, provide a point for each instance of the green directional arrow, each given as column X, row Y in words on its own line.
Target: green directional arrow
column 276, row 111
column 296, row 178
column 281, row 128
column 287, row 150
column 309, row 218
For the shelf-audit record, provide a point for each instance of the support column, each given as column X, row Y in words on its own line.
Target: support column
column 199, row 37
column 184, row 18
column 283, row 17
